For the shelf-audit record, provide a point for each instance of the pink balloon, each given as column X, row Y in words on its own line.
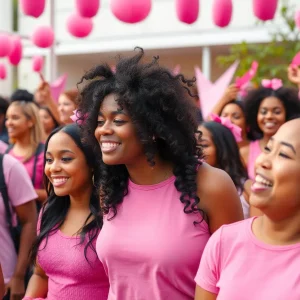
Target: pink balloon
column 33, row 8
column 222, row 12
column 87, row 9
column 187, row 10
column 2, row 71
column 16, row 53
column 43, row 37
column 130, row 11
column 297, row 19
column 5, row 45
column 78, row 26
column 37, row 63
column 265, row 10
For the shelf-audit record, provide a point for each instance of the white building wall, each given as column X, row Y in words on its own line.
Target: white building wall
column 161, row 30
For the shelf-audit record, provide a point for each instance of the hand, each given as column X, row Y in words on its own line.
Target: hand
column 43, row 92
column 230, row 93
column 293, row 73
column 17, row 288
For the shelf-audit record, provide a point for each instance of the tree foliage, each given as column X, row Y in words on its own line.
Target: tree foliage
column 273, row 57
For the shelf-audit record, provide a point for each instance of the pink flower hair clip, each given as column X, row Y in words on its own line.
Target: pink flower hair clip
column 76, row 117
column 235, row 130
column 273, row 84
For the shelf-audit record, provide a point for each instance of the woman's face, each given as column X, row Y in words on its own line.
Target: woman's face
column 117, row 135
column 271, row 115
column 236, row 116
column 46, row 120
column 209, row 148
column 17, row 123
column 63, row 160
column 276, row 188
column 65, row 109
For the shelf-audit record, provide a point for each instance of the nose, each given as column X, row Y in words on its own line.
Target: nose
column 105, row 129
column 55, row 166
column 264, row 161
column 269, row 115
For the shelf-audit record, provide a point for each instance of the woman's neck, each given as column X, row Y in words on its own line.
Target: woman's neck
column 264, row 141
column 81, row 199
column 143, row 174
column 22, row 144
column 278, row 232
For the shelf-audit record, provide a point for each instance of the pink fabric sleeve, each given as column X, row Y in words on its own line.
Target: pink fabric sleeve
column 18, row 182
column 208, row 273
column 39, row 172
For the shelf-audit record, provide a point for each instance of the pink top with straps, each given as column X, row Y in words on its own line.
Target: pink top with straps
column 151, row 249
column 254, row 152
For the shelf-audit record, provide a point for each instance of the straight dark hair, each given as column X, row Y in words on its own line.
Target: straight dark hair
column 228, row 155
column 55, row 209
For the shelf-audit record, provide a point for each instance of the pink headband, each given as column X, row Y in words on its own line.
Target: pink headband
column 76, row 116
column 235, row 130
column 273, row 84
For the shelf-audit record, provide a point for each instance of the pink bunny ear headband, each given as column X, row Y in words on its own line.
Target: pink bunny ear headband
column 273, row 84
column 235, row 130
column 76, row 117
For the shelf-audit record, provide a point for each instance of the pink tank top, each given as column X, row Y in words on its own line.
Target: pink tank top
column 151, row 249
column 254, row 152
column 70, row 275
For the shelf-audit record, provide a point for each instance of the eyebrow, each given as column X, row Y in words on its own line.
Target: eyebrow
column 116, row 112
column 62, row 152
column 287, row 145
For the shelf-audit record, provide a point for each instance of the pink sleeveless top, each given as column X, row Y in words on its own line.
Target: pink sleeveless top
column 151, row 249
column 70, row 275
column 254, row 152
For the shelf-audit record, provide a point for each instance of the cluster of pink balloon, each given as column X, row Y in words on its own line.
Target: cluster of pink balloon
column 80, row 23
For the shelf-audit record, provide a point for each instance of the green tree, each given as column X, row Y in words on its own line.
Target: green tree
column 273, row 57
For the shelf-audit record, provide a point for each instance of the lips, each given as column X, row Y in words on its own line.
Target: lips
column 59, row 181
column 109, row 146
column 261, row 183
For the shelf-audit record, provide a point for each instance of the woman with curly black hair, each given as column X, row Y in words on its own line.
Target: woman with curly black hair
column 267, row 108
column 161, row 203
column 221, row 151
column 66, row 263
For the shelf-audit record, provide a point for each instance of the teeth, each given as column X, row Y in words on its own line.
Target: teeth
column 109, row 146
column 270, row 124
column 59, row 180
column 263, row 181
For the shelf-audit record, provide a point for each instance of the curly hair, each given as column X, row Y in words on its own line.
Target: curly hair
column 228, row 157
column 288, row 97
column 156, row 102
column 55, row 209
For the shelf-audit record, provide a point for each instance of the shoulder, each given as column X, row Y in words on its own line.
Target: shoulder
column 211, row 180
column 11, row 163
column 219, row 198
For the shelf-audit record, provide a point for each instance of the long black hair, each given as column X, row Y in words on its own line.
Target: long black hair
column 157, row 104
column 288, row 97
column 55, row 209
column 227, row 153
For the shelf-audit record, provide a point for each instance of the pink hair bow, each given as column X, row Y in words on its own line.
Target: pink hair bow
column 273, row 84
column 76, row 117
column 236, row 130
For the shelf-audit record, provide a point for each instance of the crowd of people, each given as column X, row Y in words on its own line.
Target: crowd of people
column 141, row 199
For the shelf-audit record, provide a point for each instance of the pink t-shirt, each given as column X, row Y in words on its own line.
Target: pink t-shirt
column 20, row 191
column 70, row 275
column 254, row 152
column 237, row 266
column 3, row 147
column 29, row 165
column 151, row 249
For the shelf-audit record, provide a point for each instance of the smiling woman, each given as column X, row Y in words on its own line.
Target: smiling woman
column 70, row 219
column 239, row 257
column 266, row 110
column 159, row 200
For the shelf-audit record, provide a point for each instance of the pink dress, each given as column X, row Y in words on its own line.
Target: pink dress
column 151, row 249
column 254, row 152
column 237, row 266
column 70, row 275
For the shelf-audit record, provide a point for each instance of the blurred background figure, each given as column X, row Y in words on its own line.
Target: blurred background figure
column 67, row 103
